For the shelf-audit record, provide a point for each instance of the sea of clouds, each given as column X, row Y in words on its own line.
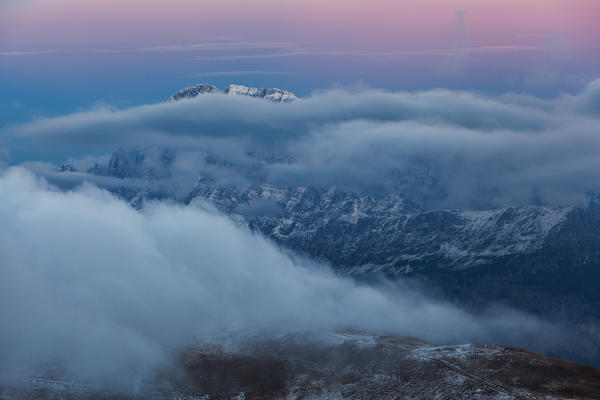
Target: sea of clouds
column 111, row 293
column 439, row 148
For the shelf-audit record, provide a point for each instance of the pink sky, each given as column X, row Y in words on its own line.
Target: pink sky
column 59, row 55
column 385, row 25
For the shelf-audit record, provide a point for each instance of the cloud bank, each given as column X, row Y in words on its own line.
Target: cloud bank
column 439, row 148
column 109, row 293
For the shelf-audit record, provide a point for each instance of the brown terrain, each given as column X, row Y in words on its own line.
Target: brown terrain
column 347, row 365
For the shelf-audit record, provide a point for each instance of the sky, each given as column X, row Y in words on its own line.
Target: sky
column 63, row 56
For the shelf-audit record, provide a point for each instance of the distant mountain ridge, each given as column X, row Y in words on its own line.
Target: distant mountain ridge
column 273, row 94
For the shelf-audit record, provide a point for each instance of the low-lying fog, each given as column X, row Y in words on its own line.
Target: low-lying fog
column 110, row 293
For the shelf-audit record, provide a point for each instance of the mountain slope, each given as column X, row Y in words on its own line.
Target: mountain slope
column 343, row 365
column 275, row 95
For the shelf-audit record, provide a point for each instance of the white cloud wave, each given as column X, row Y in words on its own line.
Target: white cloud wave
column 110, row 293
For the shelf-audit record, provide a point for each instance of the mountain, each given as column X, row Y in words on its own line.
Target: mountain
column 342, row 365
column 543, row 260
column 275, row 95
column 193, row 91
column 384, row 233
column 148, row 163
column 540, row 259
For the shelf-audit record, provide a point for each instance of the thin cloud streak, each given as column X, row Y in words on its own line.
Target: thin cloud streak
column 291, row 50
column 219, row 46
column 32, row 52
column 402, row 54
column 239, row 73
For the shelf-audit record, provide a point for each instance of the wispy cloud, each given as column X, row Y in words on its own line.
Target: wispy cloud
column 474, row 49
column 295, row 53
column 391, row 54
column 31, row 52
column 215, row 44
column 238, row 73
column 241, row 50
column 218, row 45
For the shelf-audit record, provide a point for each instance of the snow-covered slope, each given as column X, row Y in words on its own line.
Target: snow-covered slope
column 385, row 233
column 275, row 95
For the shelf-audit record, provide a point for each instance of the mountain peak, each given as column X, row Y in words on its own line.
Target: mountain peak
column 193, row 91
column 273, row 94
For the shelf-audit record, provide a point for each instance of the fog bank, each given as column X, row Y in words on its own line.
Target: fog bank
column 109, row 293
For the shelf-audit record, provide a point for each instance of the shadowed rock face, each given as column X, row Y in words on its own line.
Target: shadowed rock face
column 348, row 365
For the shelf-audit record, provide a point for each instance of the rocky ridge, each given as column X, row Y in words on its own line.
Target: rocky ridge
column 387, row 233
column 342, row 365
column 273, row 94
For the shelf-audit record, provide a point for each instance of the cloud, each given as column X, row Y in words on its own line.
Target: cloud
column 440, row 148
column 237, row 73
column 295, row 52
column 110, row 293
column 589, row 100
column 30, row 52
column 216, row 44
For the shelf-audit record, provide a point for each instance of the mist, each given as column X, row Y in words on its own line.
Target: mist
column 438, row 148
column 110, row 293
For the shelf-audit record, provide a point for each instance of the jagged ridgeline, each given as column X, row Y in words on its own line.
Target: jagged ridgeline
column 273, row 94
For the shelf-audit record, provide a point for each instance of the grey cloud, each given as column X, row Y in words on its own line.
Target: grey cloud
column 110, row 293
column 589, row 100
column 219, row 116
column 440, row 148
column 239, row 73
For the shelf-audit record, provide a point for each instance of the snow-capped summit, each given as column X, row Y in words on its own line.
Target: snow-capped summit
column 193, row 91
column 273, row 94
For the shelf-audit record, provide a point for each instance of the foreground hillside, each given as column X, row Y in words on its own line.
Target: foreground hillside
column 346, row 365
